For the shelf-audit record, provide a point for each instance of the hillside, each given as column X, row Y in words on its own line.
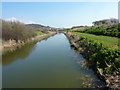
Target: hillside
column 41, row 27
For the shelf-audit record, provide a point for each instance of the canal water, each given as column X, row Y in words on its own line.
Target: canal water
column 49, row 63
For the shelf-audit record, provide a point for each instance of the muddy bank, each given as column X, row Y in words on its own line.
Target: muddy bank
column 112, row 81
column 12, row 45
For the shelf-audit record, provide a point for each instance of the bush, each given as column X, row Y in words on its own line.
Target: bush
column 100, row 56
column 16, row 31
column 112, row 30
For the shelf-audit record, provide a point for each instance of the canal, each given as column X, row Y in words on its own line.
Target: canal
column 50, row 63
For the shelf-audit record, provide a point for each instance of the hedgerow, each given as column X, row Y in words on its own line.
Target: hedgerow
column 111, row 30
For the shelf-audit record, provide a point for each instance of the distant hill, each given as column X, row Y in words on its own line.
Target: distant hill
column 41, row 27
column 79, row 27
column 36, row 25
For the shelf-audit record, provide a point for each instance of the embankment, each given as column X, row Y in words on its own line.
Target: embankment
column 104, row 61
column 12, row 45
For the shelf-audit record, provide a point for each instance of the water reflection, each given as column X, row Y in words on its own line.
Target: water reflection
column 20, row 53
column 50, row 63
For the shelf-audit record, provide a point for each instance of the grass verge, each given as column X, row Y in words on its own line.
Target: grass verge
column 107, row 41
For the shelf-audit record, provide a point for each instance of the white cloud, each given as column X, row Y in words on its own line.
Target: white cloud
column 11, row 19
column 23, row 21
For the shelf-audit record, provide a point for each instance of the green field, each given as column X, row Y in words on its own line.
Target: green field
column 40, row 33
column 110, row 42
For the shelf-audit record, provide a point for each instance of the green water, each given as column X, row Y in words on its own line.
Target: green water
column 50, row 63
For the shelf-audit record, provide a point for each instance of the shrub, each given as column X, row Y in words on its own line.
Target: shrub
column 16, row 30
column 112, row 30
column 100, row 56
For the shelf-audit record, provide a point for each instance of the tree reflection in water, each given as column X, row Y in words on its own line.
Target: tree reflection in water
column 20, row 53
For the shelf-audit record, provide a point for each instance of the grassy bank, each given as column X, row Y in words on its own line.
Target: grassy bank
column 39, row 33
column 108, row 42
column 101, row 52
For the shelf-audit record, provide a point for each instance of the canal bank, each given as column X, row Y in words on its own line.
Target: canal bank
column 12, row 45
column 49, row 63
column 89, row 49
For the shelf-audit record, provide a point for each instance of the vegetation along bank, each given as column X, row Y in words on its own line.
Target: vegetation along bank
column 101, row 52
column 16, row 34
column 104, row 61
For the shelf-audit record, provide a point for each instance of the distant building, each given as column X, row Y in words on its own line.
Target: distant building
column 105, row 22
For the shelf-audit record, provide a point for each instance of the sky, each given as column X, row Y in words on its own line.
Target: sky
column 59, row 14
